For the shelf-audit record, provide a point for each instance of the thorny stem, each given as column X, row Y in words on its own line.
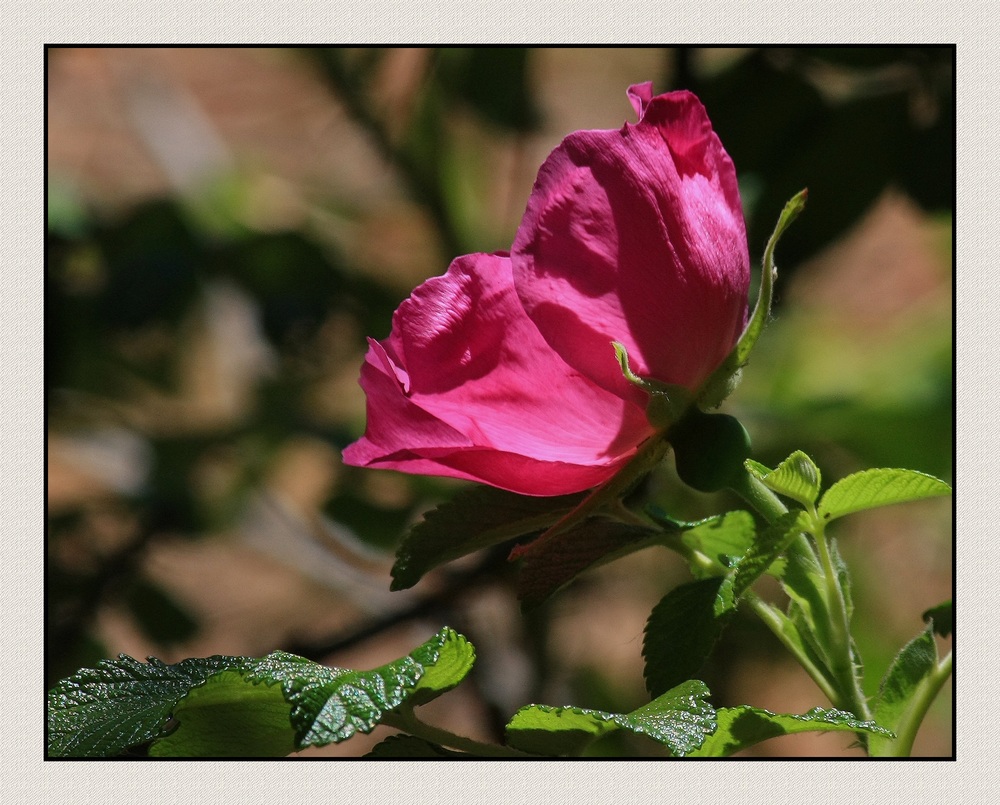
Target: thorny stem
column 775, row 621
column 840, row 683
column 841, row 654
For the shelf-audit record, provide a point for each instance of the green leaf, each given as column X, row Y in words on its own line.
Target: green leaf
column 680, row 634
column 901, row 686
column 942, row 618
column 330, row 705
column 741, row 727
column 797, row 477
column 565, row 555
column 723, row 539
column 226, row 717
column 766, row 548
column 227, row 706
column 475, row 518
column 679, row 719
column 410, row 746
column 880, row 487
column 446, row 663
column 545, row 730
column 102, row 711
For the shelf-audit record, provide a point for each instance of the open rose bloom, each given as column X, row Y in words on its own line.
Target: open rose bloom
column 502, row 371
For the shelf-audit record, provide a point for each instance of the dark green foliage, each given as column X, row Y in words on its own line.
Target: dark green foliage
column 100, row 712
column 158, row 614
column 784, row 133
column 561, row 558
column 494, row 82
column 475, row 518
column 152, row 260
column 942, row 618
column 680, row 634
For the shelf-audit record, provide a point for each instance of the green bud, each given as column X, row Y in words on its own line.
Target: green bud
column 709, row 449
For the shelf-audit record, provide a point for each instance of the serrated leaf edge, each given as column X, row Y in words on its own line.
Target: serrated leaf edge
column 254, row 671
column 847, row 480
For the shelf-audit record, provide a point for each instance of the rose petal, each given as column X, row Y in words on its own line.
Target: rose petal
column 466, row 387
column 639, row 95
column 637, row 235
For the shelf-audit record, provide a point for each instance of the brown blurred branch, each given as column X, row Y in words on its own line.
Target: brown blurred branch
column 349, row 87
column 489, row 568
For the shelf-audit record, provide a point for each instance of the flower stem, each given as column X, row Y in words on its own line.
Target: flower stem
column 775, row 621
column 759, row 496
column 649, row 454
column 842, row 655
column 839, row 683
column 768, row 504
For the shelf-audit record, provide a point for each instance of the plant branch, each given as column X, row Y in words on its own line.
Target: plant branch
column 768, row 505
column 775, row 621
column 839, row 683
column 492, row 565
column 407, row 721
column 650, row 453
column 842, row 654
column 348, row 87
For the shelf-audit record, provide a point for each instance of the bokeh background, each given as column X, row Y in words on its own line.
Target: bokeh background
column 226, row 225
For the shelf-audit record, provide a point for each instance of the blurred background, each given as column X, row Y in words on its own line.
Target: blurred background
column 226, row 225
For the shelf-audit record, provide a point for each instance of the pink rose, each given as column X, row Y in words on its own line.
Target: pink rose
column 502, row 370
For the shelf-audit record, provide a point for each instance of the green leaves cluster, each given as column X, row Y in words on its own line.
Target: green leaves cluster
column 727, row 554
column 816, row 625
column 240, row 706
column 245, row 707
column 282, row 703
